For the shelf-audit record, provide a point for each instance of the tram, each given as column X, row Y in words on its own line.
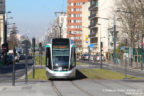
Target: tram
column 60, row 58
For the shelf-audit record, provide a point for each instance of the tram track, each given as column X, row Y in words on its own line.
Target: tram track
column 56, row 89
column 84, row 91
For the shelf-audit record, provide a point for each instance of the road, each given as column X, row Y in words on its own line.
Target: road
column 6, row 71
column 81, row 86
column 74, row 88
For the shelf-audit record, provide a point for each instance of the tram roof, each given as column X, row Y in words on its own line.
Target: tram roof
column 70, row 40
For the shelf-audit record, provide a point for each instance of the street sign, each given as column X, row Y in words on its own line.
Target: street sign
column 91, row 45
column 4, row 47
column 122, row 47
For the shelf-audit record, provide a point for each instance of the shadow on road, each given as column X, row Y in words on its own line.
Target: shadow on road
column 79, row 75
column 8, row 68
column 137, row 81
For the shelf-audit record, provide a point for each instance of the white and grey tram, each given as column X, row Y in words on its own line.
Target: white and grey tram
column 60, row 58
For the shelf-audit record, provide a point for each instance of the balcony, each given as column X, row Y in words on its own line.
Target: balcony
column 94, row 40
column 92, row 16
column 93, row 25
column 94, row 6
column 92, row 35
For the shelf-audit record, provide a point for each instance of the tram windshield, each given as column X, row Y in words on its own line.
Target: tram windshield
column 60, row 57
column 60, row 52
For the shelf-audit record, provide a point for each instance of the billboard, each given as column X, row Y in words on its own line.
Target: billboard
column 2, row 6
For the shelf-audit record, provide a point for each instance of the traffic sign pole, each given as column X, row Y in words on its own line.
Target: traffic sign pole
column 101, row 46
column 33, row 45
column 26, row 62
column 13, row 74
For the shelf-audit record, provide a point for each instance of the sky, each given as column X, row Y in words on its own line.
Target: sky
column 32, row 17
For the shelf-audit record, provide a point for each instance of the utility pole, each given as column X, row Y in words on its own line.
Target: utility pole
column 40, row 53
column 33, row 45
column 55, row 31
column 101, row 49
column 13, row 73
column 131, row 41
column 60, row 30
column 60, row 26
column 26, row 61
column 115, row 39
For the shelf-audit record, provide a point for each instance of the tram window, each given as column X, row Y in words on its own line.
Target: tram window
column 73, row 60
column 48, row 58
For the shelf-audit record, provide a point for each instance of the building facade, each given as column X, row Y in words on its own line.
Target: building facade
column 1, row 29
column 2, row 17
column 85, row 29
column 101, row 21
column 74, row 21
column 60, row 26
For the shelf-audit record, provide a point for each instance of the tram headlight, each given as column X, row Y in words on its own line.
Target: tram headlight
column 60, row 68
column 56, row 64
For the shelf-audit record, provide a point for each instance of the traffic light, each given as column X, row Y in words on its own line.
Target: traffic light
column 33, row 44
column 142, row 44
column 125, row 42
column 101, row 44
column 14, row 51
column 40, row 45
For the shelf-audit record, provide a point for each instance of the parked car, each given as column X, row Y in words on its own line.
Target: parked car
column 22, row 57
column 98, row 58
column 91, row 57
column 17, row 57
column 9, row 59
column 85, row 57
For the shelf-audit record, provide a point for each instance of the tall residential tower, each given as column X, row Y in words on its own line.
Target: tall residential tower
column 74, row 21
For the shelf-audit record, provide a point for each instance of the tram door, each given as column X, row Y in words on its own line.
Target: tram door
column 73, row 58
column 48, row 58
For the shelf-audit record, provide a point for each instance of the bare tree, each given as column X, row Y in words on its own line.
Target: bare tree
column 132, row 19
column 12, row 40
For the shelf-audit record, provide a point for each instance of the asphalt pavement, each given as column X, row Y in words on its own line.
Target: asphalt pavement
column 74, row 88
column 6, row 71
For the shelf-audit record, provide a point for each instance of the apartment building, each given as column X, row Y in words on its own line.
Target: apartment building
column 60, row 24
column 2, row 17
column 85, row 29
column 101, row 20
column 74, row 21
column 1, row 29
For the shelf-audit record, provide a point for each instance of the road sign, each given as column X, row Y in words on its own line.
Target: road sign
column 4, row 47
column 86, row 41
column 91, row 45
column 122, row 47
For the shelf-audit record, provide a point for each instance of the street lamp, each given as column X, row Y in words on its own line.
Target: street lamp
column 130, row 49
column 108, row 34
